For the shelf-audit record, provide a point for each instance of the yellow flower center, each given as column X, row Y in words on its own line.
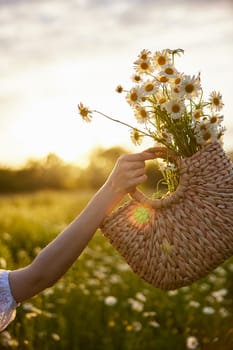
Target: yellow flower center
column 207, row 136
column 169, row 70
column 136, row 135
column 119, row 89
column 177, row 81
column 189, row 88
column 213, row 120
column 161, row 60
column 216, row 101
column 163, row 79
column 133, row 96
column 144, row 65
column 176, row 108
column 137, row 78
column 149, row 87
column 197, row 115
column 143, row 113
column 144, row 56
column 162, row 100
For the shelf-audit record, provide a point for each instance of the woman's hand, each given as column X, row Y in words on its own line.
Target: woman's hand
column 129, row 172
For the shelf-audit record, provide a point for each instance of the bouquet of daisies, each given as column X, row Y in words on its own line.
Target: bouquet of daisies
column 169, row 107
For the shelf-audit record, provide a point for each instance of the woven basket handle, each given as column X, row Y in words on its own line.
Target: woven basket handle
column 168, row 155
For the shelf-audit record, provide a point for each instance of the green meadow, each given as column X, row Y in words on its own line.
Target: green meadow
column 100, row 304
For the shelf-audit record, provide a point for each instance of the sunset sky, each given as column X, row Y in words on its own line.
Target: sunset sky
column 56, row 53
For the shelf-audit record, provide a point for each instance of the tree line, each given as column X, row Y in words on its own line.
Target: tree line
column 52, row 172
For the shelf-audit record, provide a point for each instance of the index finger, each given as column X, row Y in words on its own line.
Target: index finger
column 145, row 155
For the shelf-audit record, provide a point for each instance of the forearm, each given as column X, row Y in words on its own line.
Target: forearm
column 56, row 258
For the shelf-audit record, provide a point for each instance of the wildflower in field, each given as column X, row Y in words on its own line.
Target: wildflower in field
column 192, row 342
column 220, row 294
column 115, row 279
column 141, row 297
column 55, row 336
column 137, row 326
column 30, row 307
column 30, row 315
column 6, row 236
column 208, row 310
column 3, row 263
column 194, row 303
column 149, row 314
column 205, row 286
column 110, row 300
column 136, row 305
column 172, row 292
column 128, row 328
column 111, row 324
column 154, row 324
column 123, row 267
column 223, row 312
column 220, row 271
column 48, row 291
column 93, row 282
column 5, row 338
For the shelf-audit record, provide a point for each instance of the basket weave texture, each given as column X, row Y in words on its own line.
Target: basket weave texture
column 186, row 234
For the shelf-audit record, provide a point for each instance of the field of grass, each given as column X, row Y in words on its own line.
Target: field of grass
column 100, row 304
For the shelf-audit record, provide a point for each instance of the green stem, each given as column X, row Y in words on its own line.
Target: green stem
column 123, row 123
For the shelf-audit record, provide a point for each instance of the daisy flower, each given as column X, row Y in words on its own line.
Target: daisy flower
column 136, row 136
column 144, row 55
column 175, row 91
column 216, row 101
column 85, row 112
column 169, row 71
column 166, row 136
column 170, row 107
column 161, row 59
column 175, row 108
column 160, row 98
column 119, row 89
column 191, row 86
column 216, row 119
column 149, row 87
column 143, row 66
column 192, row 342
column 141, row 114
column 197, row 114
column 136, row 78
column 205, row 133
column 133, row 96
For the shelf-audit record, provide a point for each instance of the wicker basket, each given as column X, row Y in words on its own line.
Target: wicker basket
column 174, row 241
